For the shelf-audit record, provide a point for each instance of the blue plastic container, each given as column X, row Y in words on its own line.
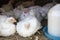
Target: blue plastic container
column 45, row 29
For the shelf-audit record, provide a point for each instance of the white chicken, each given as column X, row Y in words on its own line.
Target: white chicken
column 33, row 12
column 42, row 10
column 22, row 13
column 7, row 27
column 28, row 26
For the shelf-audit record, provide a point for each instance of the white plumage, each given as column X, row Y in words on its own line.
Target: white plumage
column 31, row 12
column 28, row 26
column 3, row 18
column 7, row 27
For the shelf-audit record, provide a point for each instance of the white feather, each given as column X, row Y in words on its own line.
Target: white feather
column 33, row 28
column 7, row 28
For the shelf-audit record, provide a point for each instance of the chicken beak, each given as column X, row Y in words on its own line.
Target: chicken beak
column 15, row 21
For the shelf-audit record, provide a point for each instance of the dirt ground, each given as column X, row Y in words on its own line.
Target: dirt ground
column 38, row 36
column 34, row 37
